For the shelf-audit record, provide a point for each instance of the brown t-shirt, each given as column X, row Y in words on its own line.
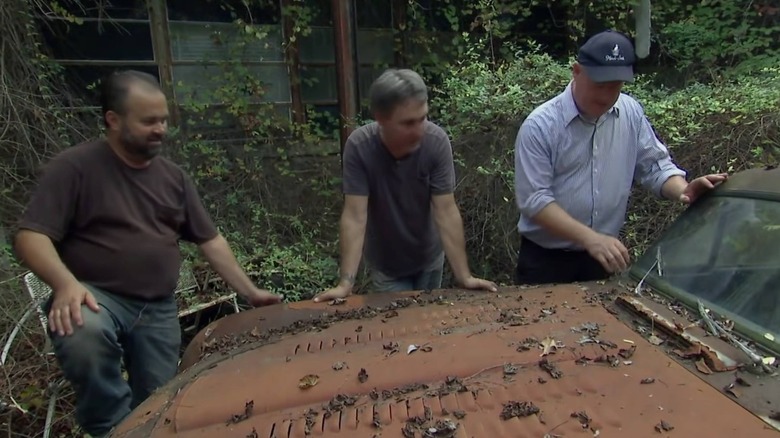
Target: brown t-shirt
column 401, row 237
column 116, row 227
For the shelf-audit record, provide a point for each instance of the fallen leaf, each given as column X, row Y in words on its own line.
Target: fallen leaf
column 626, row 353
column 702, row 367
column 255, row 332
column 338, row 366
column 548, row 344
column 362, row 375
column 655, row 340
column 308, row 381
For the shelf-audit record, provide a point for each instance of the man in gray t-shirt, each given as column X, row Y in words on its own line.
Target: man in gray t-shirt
column 399, row 206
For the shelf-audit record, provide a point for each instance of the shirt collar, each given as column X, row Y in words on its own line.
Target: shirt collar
column 570, row 110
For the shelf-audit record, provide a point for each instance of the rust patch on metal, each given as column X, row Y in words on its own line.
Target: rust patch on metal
column 481, row 377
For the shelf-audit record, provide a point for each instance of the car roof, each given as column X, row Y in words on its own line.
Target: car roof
column 546, row 361
column 763, row 181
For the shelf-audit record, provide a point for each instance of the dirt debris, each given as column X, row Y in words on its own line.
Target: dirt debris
column 583, row 418
column 510, row 369
column 337, row 301
column 391, row 348
column 451, row 384
column 663, row 426
column 591, row 329
column 517, row 409
column 338, row 403
column 362, row 375
column 397, row 393
column 647, row 381
column 237, row 418
column 253, row 434
column 627, row 353
column 551, row 369
column 428, row 428
column 527, row 344
column 513, row 317
column 311, row 420
column 338, row 366
column 226, row 343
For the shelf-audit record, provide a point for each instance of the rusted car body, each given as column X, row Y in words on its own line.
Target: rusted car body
column 633, row 356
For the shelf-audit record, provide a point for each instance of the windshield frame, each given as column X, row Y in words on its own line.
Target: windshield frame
column 746, row 328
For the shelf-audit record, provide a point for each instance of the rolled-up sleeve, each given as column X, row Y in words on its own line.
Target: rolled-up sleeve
column 533, row 169
column 654, row 165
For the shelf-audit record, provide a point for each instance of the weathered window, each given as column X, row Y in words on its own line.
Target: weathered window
column 726, row 252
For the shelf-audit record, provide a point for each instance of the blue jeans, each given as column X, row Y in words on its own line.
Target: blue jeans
column 145, row 335
column 428, row 278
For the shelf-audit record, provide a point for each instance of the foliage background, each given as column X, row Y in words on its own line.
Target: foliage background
column 710, row 88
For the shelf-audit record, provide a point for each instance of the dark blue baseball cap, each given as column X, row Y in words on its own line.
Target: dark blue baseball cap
column 608, row 56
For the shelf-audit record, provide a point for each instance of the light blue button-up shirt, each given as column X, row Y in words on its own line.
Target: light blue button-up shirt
column 587, row 168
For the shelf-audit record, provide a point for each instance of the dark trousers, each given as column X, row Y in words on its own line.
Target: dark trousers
column 539, row 265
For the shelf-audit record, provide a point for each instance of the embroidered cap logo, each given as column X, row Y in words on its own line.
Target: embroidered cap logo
column 615, row 56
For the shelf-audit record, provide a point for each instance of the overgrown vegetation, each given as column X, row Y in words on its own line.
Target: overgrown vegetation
column 711, row 88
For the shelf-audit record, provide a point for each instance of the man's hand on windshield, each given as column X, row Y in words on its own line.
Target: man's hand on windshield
column 608, row 251
column 66, row 308
column 700, row 186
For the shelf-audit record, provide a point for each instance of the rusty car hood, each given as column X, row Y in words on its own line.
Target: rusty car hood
column 523, row 362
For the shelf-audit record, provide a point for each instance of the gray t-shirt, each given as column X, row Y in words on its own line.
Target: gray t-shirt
column 401, row 236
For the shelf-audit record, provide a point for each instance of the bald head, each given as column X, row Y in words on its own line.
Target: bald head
column 116, row 88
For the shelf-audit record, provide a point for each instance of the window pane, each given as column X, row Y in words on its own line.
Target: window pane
column 202, row 83
column 366, row 78
column 375, row 46
column 725, row 251
column 318, row 46
column 83, row 79
column 214, row 42
column 223, row 11
column 106, row 9
column 374, row 13
column 99, row 40
column 318, row 83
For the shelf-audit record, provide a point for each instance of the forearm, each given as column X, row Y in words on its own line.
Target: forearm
column 37, row 252
column 450, row 224
column 220, row 257
column 352, row 231
column 673, row 187
column 556, row 221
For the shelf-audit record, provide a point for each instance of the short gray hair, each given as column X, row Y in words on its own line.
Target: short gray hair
column 394, row 87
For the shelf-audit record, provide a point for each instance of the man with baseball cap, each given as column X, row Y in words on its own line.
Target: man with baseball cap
column 576, row 157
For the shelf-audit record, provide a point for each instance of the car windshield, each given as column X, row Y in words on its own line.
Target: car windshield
column 724, row 251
